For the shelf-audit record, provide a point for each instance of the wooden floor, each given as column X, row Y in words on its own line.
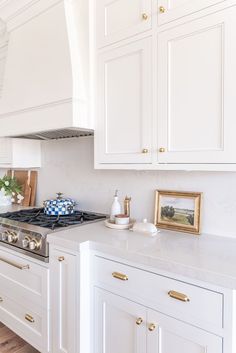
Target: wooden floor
column 11, row 343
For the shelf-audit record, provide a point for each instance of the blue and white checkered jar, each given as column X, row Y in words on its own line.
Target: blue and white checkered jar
column 59, row 207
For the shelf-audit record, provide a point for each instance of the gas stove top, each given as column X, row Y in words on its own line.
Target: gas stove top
column 26, row 230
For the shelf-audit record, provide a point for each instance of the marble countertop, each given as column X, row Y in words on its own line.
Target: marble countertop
column 207, row 258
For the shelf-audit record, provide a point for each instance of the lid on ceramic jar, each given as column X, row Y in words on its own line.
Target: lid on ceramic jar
column 59, row 201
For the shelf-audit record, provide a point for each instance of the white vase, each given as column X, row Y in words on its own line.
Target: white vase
column 5, row 200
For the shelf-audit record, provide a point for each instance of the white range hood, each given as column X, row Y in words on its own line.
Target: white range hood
column 44, row 68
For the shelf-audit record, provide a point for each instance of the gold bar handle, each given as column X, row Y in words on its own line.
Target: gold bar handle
column 120, row 276
column 179, row 296
column 29, row 318
column 61, row 258
column 14, row 264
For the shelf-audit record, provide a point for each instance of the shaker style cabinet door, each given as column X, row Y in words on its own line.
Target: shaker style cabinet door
column 166, row 335
column 120, row 19
column 169, row 10
column 119, row 324
column 63, row 296
column 196, row 91
column 124, row 98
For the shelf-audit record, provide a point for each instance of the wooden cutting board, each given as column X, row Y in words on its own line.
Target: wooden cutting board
column 28, row 181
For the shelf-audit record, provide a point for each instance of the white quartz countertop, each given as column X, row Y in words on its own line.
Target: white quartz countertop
column 207, row 258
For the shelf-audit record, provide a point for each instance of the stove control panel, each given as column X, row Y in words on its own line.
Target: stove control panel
column 23, row 239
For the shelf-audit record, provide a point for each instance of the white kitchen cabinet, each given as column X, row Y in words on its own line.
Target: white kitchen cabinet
column 165, row 334
column 119, row 19
column 125, row 326
column 196, row 75
column 63, row 298
column 124, row 116
column 20, row 153
column 119, row 324
column 24, row 300
column 169, row 10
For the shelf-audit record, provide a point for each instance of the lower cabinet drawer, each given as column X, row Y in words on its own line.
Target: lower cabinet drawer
column 187, row 302
column 30, row 325
column 23, row 280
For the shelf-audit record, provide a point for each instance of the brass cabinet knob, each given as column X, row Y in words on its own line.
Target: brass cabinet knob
column 139, row 321
column 1, row 300
column 145, row 151
column 162, row 149
column 162, row 9
column 61, row 258
column 29, row 318
column 151, row 327
column 144, row 16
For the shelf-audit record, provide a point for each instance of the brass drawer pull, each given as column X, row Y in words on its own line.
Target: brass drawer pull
column 61, row 258
column 139, row 321
column 14, row 264
column 151, row 327
column 120, row 276
column 29, row 318
column 179, row 296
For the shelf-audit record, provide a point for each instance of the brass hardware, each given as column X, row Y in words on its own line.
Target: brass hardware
column 14, row 264
column 139, row 321
column 151, row 327
column 144, row 16
column 34, row 244
column 145, row 150
column 29, row 318
column 61, row 258
column 1, row 300
column 162, row 149
column 179, row 296
column 120, row 276
column 162, row 9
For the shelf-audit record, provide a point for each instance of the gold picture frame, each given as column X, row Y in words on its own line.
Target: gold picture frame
column 179, row 211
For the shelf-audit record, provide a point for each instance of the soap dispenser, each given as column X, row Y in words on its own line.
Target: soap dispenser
column 115, row 207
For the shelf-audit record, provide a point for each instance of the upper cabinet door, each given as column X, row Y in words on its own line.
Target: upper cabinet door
column 167, row 335
column 119, row 324
column 169, row 10
column 119, row 19
column 196, row 95
column 124, row 98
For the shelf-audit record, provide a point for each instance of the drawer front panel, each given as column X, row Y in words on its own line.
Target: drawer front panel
column 20, row 277
column 187, row 302
column 30, row 325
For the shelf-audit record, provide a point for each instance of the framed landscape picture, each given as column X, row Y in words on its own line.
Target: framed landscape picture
column 180, row 211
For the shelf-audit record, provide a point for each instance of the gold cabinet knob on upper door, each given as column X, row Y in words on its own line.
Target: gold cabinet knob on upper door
column 144, row 16
column 162, row 149
column 151, row 327
column 139, row 321
column 61, row 258
column 162, row 9
column 145, row 151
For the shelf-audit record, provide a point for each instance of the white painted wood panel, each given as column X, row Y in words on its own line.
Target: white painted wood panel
column 195, row 76
column 119, row 19
column 174, row 9
column 124, row 104
column 210, row 302
column 115, row 324
column 63, row 294
column 171, row 335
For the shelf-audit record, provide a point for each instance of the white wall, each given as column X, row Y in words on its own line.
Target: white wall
column 68, row 167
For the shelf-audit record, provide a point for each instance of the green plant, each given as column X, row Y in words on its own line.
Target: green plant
column 9, row 186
